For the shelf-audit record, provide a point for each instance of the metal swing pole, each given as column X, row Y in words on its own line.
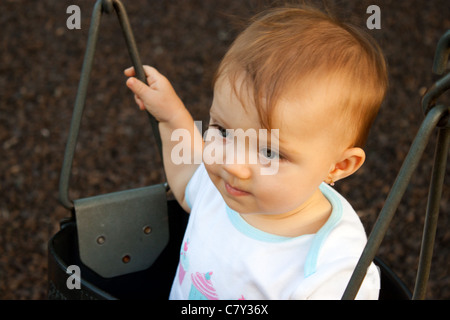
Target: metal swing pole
column 134, row 55
column 393, row 200
column 100, row 6
column 436, row 116
column 438, row 173
column 432, row 214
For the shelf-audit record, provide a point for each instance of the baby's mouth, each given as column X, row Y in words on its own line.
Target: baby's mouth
column 235, row 191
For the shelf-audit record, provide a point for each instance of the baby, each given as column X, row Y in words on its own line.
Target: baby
column 316, row 85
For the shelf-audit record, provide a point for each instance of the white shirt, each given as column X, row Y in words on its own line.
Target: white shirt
column 223, row 257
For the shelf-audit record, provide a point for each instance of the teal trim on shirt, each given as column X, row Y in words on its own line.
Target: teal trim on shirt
column 240, row 224
column 319, row 238
column 322, row 234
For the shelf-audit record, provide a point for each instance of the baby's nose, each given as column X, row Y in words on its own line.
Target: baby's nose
column 241, row 171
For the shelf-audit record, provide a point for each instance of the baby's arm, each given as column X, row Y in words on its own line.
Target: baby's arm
column 159, row 98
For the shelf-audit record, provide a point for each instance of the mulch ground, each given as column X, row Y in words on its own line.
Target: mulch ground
column 40, row 63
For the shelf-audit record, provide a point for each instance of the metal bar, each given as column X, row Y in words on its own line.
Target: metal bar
column 395, row 195
column 434, row 92
column 442, row 54
column 79, row 106
column 80, row 101
column 134, row 55
column 434, row 198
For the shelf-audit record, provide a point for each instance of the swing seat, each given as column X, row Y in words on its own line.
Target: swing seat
column 152, row 283
column 155, row 282
column 392, row 287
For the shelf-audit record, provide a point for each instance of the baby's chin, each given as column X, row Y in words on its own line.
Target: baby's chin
column 241, row 208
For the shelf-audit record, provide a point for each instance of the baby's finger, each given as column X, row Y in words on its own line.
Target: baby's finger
column 139, row 102
column 151, row 73
column 129, row 72
column 149, row 70
column 140, row 89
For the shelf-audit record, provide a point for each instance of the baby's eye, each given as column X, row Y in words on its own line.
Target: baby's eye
column 269, row 154
column 222, row 131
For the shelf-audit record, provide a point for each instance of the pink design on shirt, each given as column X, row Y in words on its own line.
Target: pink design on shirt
column 202, row 287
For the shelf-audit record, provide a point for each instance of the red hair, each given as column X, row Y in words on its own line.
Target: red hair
column 284, row 47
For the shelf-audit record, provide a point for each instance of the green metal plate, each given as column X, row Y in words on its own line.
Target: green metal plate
column 122, row 232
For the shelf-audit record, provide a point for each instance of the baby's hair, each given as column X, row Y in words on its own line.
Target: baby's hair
column 283, row 49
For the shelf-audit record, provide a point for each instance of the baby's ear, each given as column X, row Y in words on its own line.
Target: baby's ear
column 351, row 160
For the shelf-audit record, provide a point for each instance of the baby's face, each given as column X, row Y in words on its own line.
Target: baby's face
column 305, row 153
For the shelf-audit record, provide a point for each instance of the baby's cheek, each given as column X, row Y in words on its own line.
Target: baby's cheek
column 212, row 170
column 276, row 199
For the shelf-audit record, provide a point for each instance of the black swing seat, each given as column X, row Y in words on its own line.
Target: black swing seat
column 155, row 282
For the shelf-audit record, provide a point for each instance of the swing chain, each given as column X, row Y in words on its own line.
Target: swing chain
column 100, row 6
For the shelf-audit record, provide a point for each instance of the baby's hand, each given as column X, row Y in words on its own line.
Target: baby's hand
column 158, row 98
